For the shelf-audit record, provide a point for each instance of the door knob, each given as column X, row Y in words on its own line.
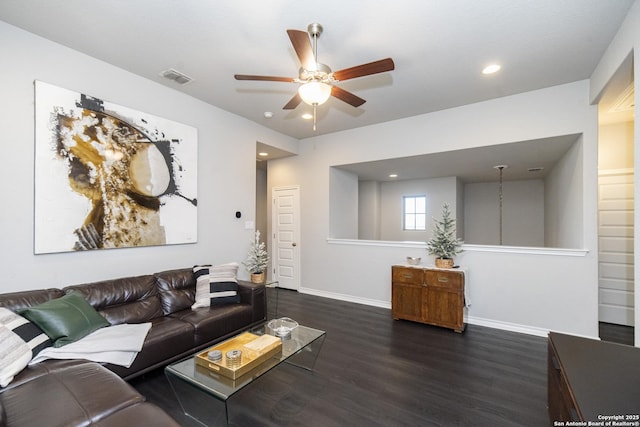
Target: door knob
column 294, row 244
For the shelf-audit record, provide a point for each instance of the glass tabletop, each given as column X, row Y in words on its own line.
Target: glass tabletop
column 302, row 339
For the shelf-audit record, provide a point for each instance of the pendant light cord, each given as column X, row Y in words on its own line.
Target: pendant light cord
column 500, row 191
column 500, row 169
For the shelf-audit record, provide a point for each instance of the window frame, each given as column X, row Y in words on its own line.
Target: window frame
column 415, row 214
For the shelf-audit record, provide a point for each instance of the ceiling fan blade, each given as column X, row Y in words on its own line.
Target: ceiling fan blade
column 264, row 78
column 304, row 50
column 374, row 67
column 293, row 103
column 347, row 96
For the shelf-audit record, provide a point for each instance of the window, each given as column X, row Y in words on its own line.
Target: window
column 415, row 212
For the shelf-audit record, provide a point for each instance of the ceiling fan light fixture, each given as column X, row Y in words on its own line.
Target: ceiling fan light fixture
column 315, row 93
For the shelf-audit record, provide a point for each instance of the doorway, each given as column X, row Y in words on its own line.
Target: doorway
column 266, row 154
column 285, row 226
column 616, row 202
column 615, row 247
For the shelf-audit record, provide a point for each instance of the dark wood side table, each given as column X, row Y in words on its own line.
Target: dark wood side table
column 592, row 381
column 435, row 296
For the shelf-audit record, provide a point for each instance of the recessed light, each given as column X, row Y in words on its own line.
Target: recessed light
column 268, row 114
column 490, row 69
column 393, row 175
column 307, row 116
column 263, row 154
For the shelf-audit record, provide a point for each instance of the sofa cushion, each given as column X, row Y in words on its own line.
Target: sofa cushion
column 255, row 295
column 215, row 322
column 146, row 414
column 126, row 300
column 18, row 300
column 167, row 338
column 78, row 395
column 32, row 372
column 28, row 331
column 216, row 285
column 20, row 340
column 15, row 354
column 177, row 289
column 65, row 319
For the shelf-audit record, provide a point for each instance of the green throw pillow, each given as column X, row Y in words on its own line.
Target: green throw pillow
column 65, row 319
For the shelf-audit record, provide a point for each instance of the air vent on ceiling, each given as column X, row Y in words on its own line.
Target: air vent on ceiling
column 624, row 102
column 176, row 76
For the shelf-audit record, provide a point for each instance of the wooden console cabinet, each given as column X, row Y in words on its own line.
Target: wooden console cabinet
column 428, row 295
column 590, row 380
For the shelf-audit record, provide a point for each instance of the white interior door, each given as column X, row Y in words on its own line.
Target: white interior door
column 615, row 257
column 286, row 236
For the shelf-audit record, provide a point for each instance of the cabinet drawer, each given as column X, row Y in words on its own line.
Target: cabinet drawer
column 406, row 275
column 444, row 279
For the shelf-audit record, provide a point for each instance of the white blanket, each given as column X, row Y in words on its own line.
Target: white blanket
column 117, row 344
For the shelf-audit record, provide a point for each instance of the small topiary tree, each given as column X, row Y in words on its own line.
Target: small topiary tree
column 444, row 243
column 257, row 257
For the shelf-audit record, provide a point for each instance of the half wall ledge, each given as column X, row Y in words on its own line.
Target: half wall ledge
column 465, row 247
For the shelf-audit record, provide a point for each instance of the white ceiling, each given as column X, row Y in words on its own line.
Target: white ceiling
column 439, row 48
column 472, row 164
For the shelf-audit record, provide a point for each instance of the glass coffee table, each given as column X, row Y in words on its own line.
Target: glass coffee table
column 204, row 395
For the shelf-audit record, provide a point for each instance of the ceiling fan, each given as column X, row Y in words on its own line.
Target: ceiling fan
column 317, row 80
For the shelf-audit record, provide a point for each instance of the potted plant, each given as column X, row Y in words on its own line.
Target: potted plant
column 443, row 243
column 257, row 259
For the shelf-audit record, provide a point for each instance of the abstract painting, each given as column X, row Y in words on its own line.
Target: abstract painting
column 108, row 176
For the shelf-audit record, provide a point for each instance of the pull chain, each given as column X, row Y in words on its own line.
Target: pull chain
column 314, row 116
column 500, row 168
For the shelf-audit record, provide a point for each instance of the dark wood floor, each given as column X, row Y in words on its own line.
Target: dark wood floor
column 374, row 371
column 617, row 333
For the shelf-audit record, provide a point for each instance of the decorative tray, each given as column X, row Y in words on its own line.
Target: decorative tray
column 240, row 354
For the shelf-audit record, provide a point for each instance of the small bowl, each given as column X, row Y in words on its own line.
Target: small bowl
column 282, row 327
column 411, row 260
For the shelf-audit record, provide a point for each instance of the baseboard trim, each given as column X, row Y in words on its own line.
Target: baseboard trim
column 344, row 297
column 489, row 323
column 507, row 326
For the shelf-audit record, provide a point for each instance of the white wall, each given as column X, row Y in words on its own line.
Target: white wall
column 460, row 221
column 380, row 207
column 344, row 204
column 437, row 190
column 226, row 167
column 261, row 206
column 615, row 146
column 564, row 200
column 626, row 40
column 522, row 213
column 546, row 291
column 369, row 210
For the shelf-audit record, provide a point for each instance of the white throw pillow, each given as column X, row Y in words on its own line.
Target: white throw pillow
column 20, row 340
column 216, row 285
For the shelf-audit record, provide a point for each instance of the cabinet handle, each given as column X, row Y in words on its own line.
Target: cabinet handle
column 443, row 279
column 407, row 275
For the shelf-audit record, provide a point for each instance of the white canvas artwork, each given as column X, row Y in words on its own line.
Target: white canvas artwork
column 108, row 176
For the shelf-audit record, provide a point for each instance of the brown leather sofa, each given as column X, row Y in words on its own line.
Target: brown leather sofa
column 82, row 393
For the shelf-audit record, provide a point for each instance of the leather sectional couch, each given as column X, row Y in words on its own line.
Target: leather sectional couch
column 82, row 393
